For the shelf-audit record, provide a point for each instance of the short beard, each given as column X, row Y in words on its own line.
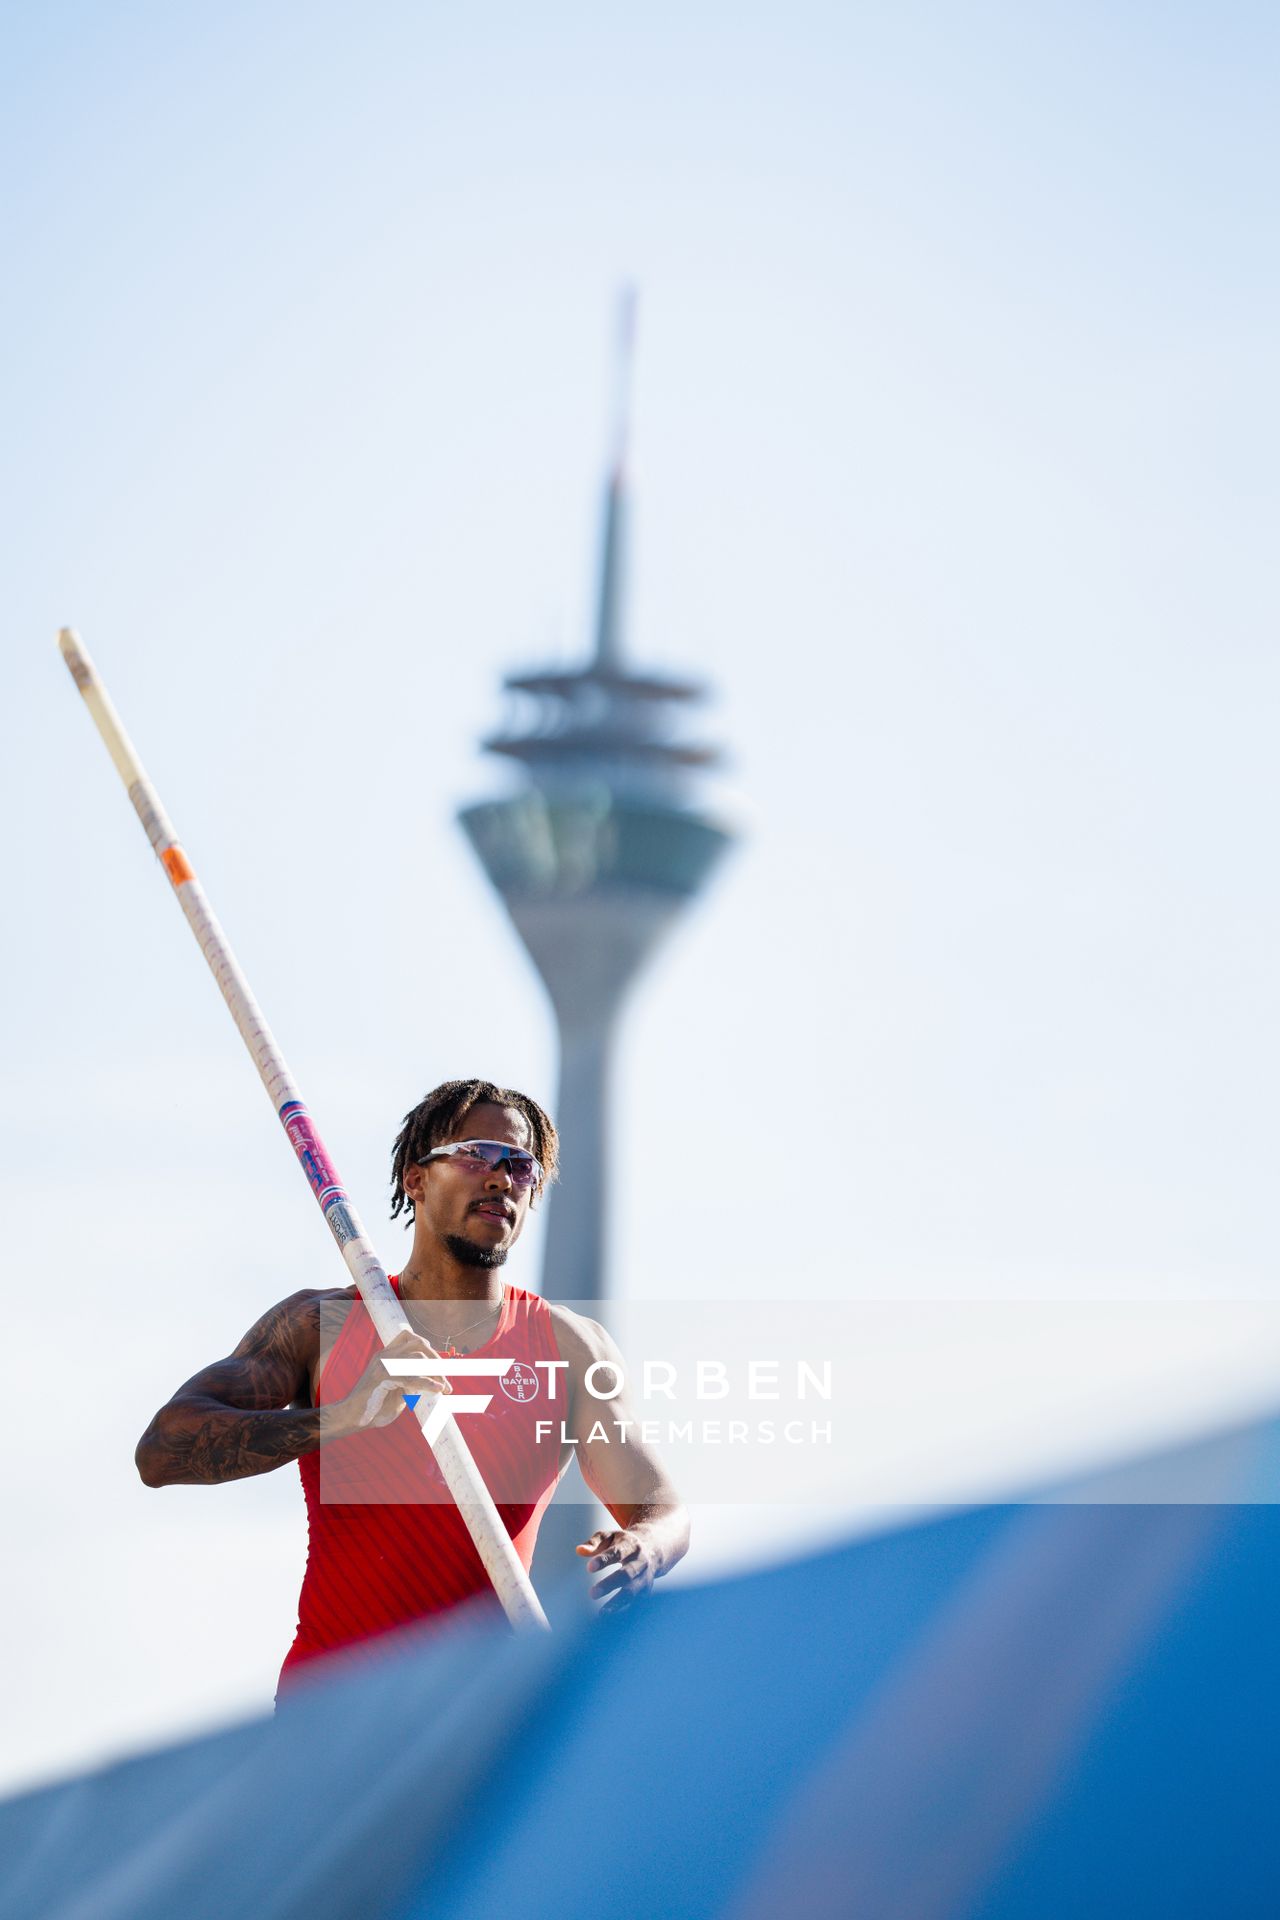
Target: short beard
column 468, row 1254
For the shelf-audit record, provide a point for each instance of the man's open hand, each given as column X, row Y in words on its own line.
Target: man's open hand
column 628, row 1563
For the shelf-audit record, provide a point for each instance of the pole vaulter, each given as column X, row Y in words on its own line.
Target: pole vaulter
column 474, row 1501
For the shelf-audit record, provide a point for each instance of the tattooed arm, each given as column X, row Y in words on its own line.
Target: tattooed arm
column 235, row 1418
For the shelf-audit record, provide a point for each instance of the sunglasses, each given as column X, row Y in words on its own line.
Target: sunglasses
column 476, row 1155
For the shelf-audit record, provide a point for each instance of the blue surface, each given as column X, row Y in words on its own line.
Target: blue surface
column 1170, row 1808
column 1034, row 1712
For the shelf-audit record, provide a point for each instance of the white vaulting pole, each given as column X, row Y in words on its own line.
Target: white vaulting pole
column 461, row 1476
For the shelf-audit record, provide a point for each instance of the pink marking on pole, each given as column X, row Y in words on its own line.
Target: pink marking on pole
column 310, row 1149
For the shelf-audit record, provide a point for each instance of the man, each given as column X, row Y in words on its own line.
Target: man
column 387, row 1546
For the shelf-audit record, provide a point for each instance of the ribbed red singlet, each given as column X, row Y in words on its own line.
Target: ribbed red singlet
column 386, row 1545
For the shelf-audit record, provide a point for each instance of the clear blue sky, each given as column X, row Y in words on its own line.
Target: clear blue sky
column 955, row 472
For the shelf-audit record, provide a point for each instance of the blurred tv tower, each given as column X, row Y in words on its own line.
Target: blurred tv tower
column 595, row 856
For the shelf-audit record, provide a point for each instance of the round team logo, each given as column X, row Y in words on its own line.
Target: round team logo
column 519, row 1382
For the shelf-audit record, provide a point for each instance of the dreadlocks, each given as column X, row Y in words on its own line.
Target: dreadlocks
column 437, row 1117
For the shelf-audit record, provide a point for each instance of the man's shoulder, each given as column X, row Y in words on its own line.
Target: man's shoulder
column 300, row 1312
column 308, row 1300
column 577, row 1336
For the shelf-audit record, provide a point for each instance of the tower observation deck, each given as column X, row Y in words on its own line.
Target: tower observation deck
column 595, row 855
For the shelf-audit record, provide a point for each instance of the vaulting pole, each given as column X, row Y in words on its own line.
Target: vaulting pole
column 474, row 1501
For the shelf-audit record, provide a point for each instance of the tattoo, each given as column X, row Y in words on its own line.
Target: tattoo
column 205, row 1442
column 239, row 1416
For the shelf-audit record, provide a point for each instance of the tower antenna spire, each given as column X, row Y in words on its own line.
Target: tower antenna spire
column 628, row 307
column 609, row 607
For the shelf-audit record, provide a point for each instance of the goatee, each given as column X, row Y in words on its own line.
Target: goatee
column 468, row 1254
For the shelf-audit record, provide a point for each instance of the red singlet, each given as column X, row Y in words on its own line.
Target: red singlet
column 386, row 1545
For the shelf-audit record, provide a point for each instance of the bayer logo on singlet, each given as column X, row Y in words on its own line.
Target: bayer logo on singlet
column 519, row 1382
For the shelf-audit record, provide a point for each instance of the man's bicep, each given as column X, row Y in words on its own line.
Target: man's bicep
column 617, row 1465
column 269, row 1367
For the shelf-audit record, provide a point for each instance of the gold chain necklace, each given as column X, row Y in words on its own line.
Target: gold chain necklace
column 453, row 1351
